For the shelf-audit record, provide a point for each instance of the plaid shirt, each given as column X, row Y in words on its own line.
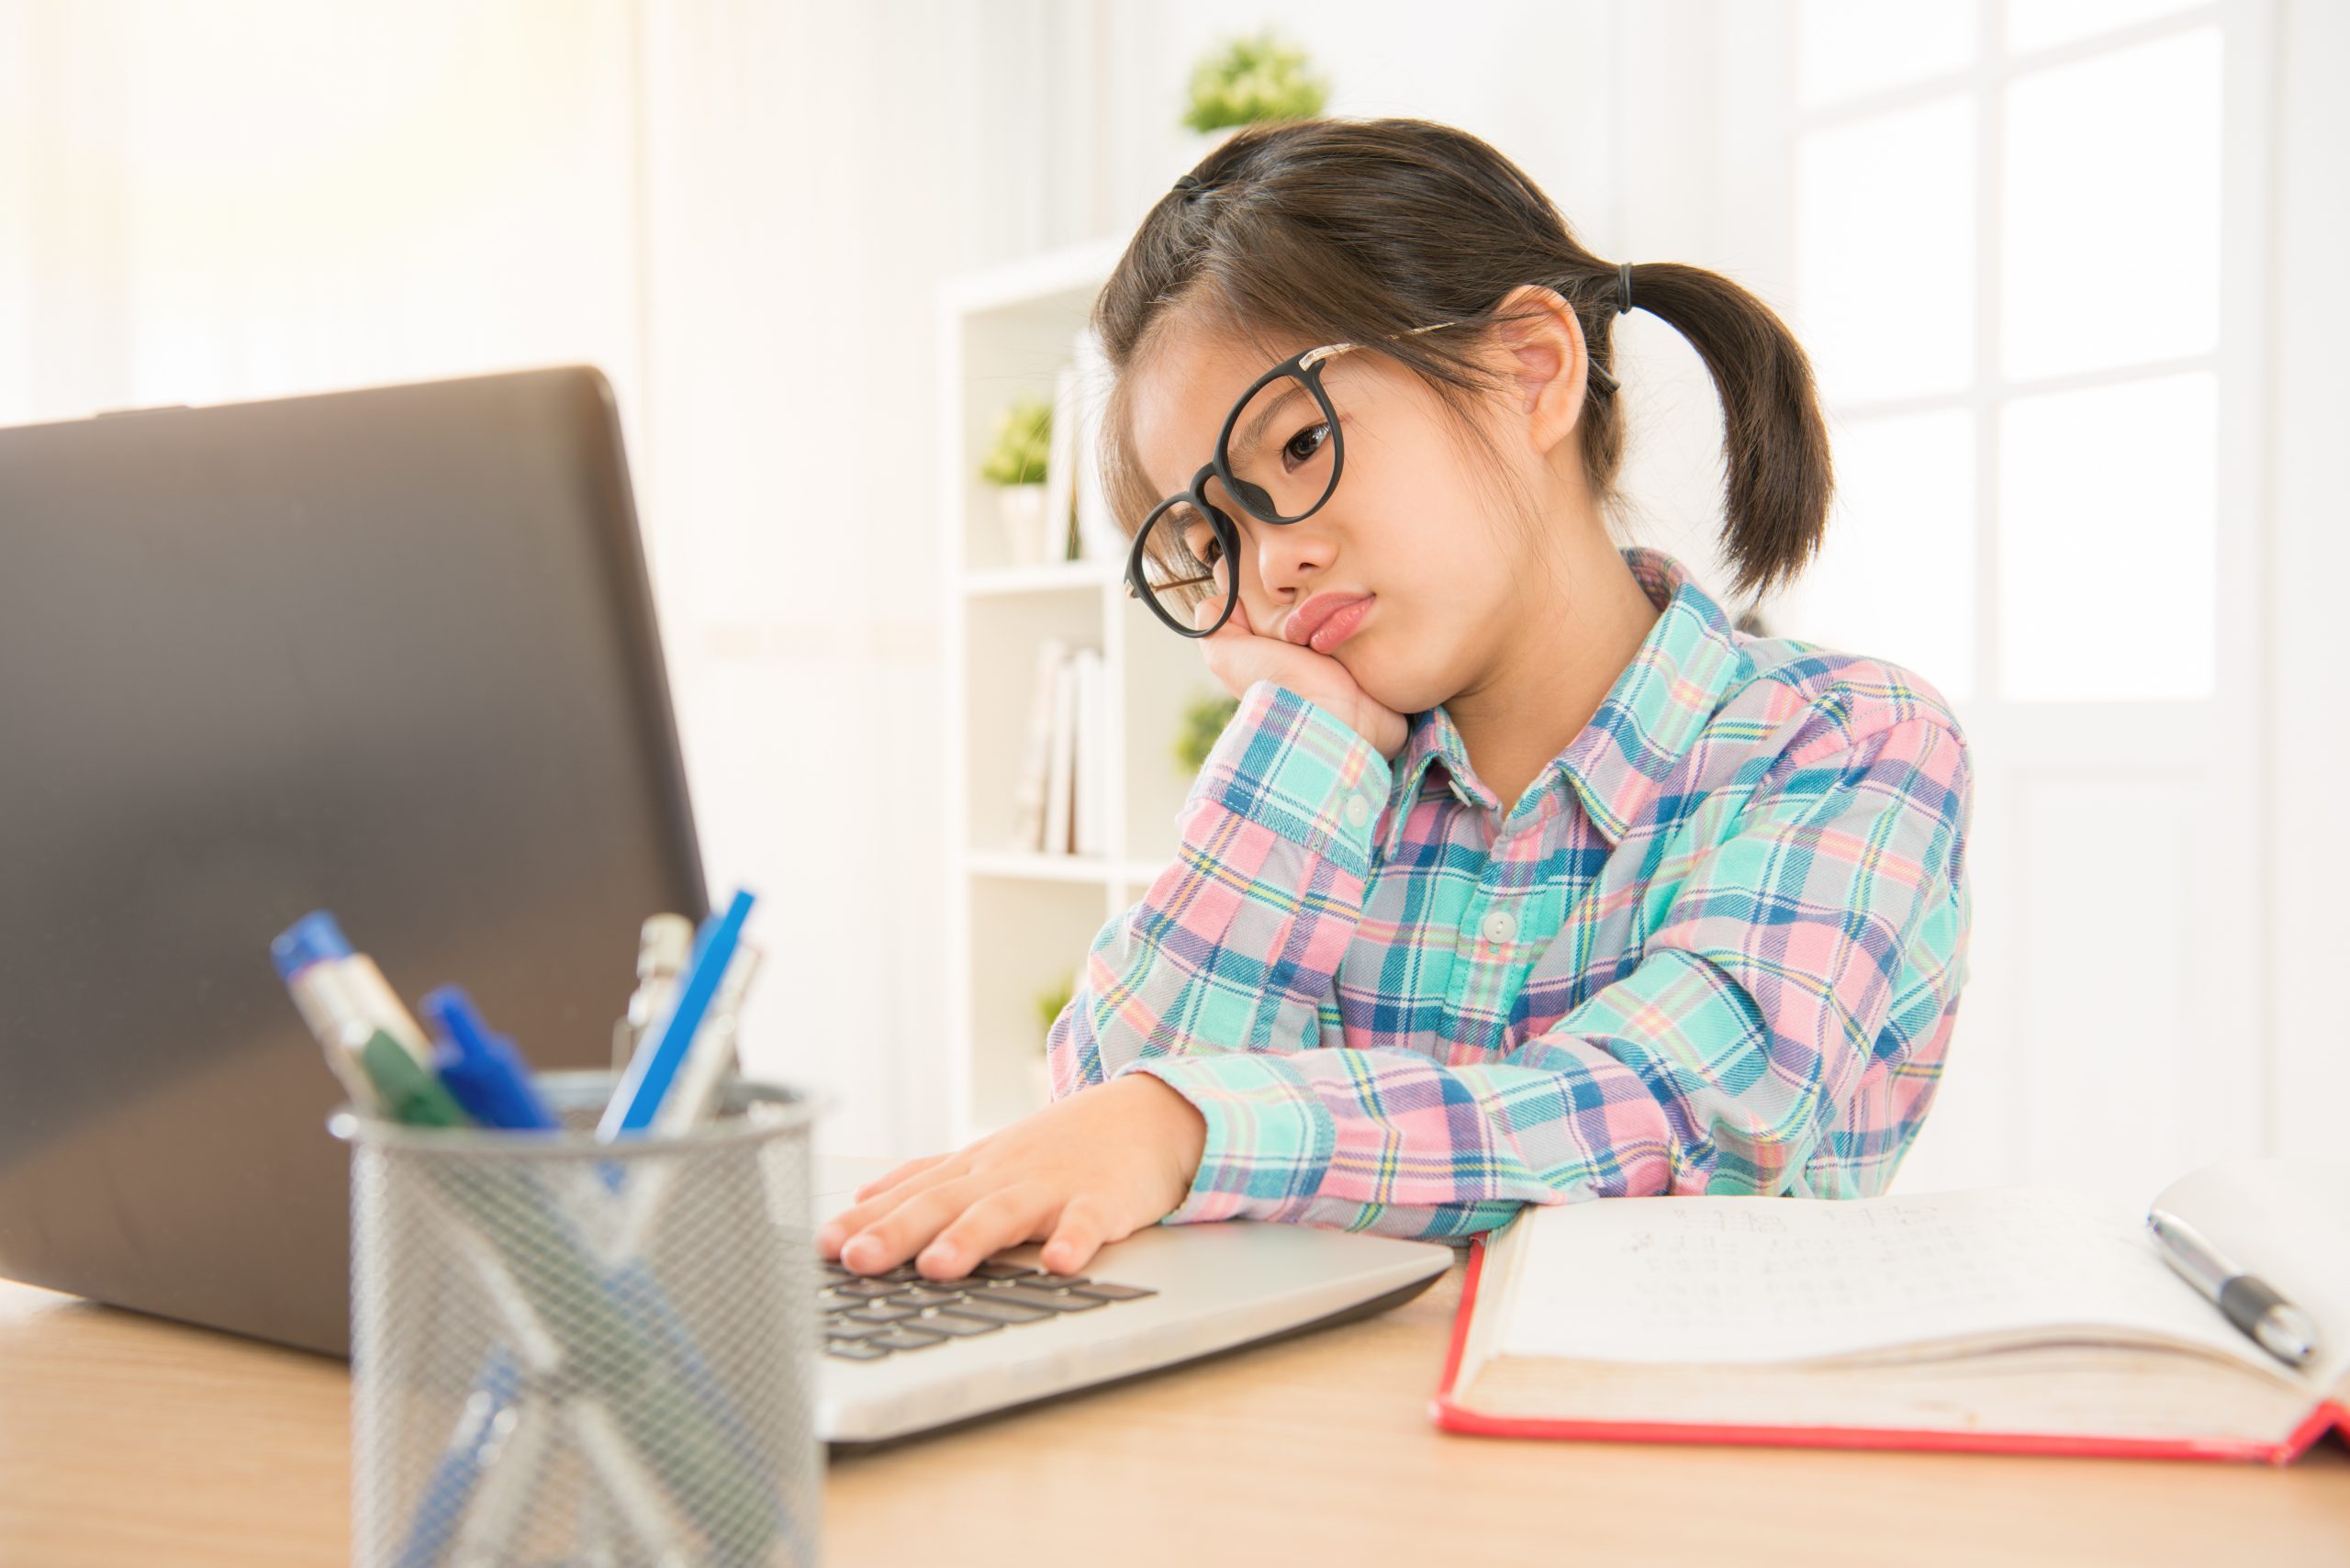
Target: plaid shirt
column 1716, row 946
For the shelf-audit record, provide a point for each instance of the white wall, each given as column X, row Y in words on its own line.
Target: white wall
column 814, row 173
column 202, row 204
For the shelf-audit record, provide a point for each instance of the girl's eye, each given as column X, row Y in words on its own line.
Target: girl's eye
column 1208, row 549
column 1300, row 448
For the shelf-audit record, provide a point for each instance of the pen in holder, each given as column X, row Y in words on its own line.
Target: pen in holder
column 545, row 1373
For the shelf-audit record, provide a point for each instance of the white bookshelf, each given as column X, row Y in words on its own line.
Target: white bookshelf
column 1017, row 922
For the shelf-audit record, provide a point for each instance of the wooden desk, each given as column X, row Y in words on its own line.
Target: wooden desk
column 128, row 1439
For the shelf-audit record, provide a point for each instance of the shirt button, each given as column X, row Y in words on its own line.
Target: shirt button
column 1357, row 809
column 1500, row 926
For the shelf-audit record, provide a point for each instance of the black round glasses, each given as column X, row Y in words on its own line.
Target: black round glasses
column 1277, row 457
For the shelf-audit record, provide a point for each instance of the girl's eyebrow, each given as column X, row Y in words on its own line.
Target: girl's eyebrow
column 1246, row 435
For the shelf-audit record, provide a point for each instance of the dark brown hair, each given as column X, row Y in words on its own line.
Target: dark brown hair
column 1357, row 229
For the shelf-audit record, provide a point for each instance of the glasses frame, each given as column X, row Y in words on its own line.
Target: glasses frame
column 1307, row 368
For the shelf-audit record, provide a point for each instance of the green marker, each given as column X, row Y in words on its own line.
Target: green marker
column 410, row 1091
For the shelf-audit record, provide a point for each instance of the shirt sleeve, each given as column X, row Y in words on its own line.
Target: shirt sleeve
column 1782, row 1033
column 1235, row 947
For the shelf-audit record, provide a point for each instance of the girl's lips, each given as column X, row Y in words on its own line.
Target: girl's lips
column 1341, row 626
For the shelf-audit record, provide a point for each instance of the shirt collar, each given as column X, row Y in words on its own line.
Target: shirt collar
column 1690, row 660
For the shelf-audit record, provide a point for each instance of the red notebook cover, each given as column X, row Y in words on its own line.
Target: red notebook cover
column 2329, row 1416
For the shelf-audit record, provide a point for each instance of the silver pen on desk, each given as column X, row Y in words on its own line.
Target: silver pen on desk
column 2251, row 1303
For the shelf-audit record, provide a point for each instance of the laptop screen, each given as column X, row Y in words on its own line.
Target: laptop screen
column 388, row 653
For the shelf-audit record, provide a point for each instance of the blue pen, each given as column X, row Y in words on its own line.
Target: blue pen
column 637, row 1100
column 488, row 1078
column 654, row 1068
column 485, row 1075
column 480, row 1431
column 482, row 1071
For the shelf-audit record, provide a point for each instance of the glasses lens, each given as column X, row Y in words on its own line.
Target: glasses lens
column 1180, row 549
column 1282, row 453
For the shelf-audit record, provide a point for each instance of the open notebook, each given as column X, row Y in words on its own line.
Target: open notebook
column 2019, row 1319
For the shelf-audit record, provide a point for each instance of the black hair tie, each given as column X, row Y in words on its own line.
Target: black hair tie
column 1624, row 288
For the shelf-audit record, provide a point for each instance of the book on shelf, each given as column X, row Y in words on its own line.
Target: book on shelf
column 1036, row 753
column 1090, row 832
column 2009, row 1320
column 1059, row 806
column 1059, row 774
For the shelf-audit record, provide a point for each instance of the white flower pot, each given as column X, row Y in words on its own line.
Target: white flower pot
column 1022, row 509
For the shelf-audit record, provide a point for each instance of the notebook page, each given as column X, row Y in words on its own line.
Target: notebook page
column 1748, row 1280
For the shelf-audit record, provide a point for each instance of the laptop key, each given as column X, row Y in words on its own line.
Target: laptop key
column 842, row 1328
column 855, row 1351
column 988, row 1308
column 905, row 1338
column 1052, row 1281
column 952, row 1323
column 995, row 1271
column 924, row 1295
column 865, row 1287
column 1109, row 1292
column 1049, row 1300
column 882, row 1312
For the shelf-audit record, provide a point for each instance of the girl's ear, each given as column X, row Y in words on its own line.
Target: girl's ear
column 1545, row 362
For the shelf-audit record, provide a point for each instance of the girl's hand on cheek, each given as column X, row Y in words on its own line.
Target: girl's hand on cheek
column 1092, row 1168
column 1238, row 656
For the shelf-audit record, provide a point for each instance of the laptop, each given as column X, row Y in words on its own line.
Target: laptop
column 904, row 1357
column 392, row 652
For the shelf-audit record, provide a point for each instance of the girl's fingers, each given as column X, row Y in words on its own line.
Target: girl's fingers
column 1076, row 1238
column 891, row 1239
column 890, row 1179
column 1002, row 1218
column 836, row 1230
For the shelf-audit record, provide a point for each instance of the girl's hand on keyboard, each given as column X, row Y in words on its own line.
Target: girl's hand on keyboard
column 1239, row 655
column 1092, row 1168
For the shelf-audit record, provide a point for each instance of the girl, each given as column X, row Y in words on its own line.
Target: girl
column 1522, row 874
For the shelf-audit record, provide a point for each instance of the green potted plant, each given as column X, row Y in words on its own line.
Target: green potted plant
column 1015, row 465
column 1203, row 720
column 1253, row 78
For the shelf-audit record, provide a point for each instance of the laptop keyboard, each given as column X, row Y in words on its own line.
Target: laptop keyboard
column 870, row 1316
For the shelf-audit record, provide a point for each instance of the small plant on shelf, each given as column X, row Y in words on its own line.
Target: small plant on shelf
column 1251, row 79
column 1016, row 464
column 1023, row 440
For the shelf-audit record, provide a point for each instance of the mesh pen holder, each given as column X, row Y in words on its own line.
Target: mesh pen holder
column 572, row 1352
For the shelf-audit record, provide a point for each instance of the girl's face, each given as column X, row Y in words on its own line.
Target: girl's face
column 1410, row 524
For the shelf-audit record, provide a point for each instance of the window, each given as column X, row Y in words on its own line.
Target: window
column 2006, row 246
